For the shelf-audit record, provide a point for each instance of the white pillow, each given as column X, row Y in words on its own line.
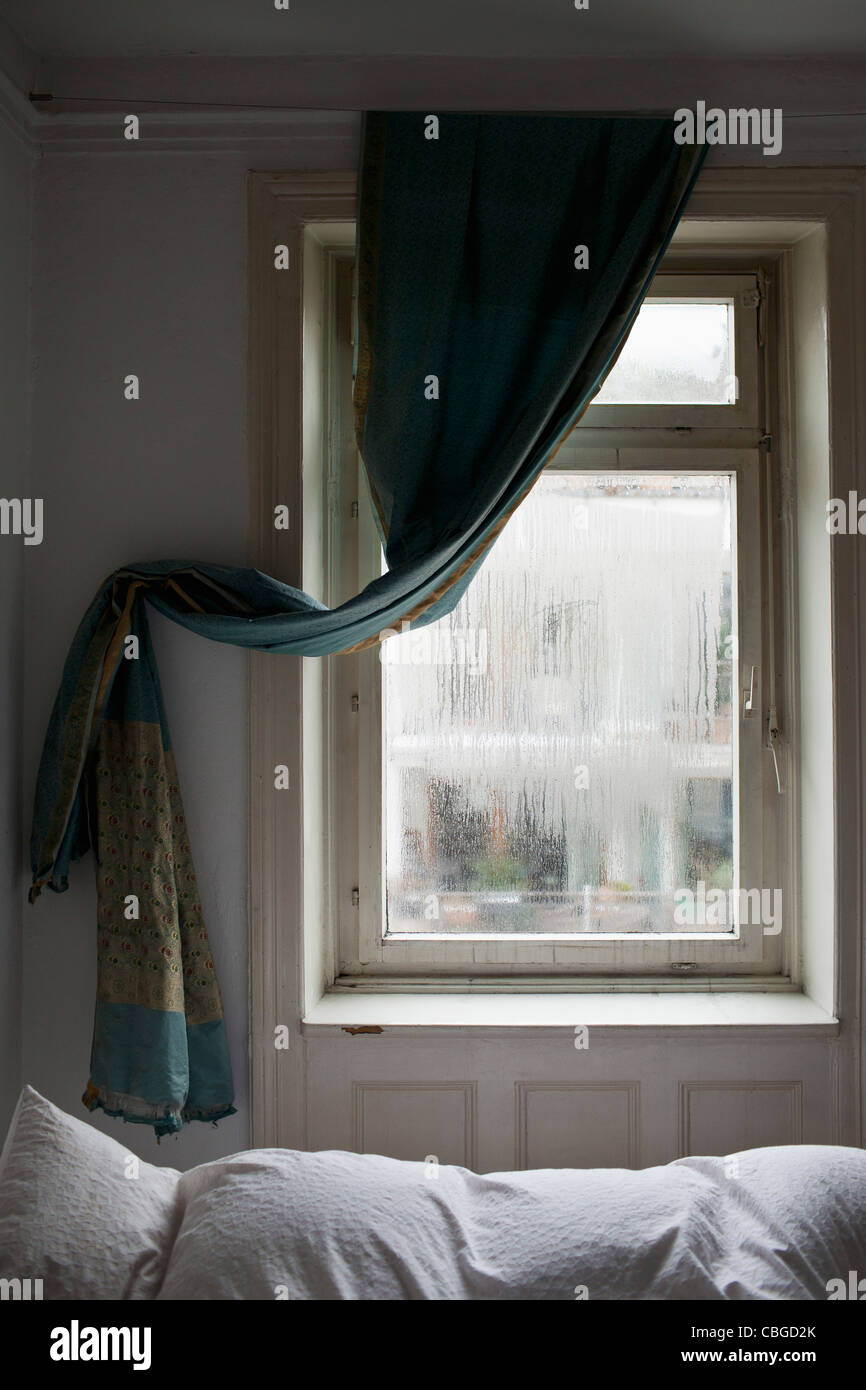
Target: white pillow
column 73, row 1214
column 277, row 1224
column 274, row 1223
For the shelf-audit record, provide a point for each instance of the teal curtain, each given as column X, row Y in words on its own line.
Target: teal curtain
column 480, row 343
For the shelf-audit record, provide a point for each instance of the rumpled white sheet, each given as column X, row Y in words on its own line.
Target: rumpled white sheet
column 79, row 1214
column 772, row 1223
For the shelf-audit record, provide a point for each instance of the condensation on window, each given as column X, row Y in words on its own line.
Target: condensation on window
column 559, row 751
column 676, row 354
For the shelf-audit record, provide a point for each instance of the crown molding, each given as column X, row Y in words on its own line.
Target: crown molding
column 415, row 82
column 322, row 138
column 264, row 103
column 330, row 139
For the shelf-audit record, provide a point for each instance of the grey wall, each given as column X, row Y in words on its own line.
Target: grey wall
column 15, row 212
column 140, row 266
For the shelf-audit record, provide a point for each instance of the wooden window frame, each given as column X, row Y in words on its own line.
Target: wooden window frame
column 292, row 961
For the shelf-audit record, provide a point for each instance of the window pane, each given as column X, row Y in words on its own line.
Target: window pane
column 559, row 750
column 678, row 353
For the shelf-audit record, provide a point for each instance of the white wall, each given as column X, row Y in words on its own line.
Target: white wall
column 15, row 210
column 140, row 266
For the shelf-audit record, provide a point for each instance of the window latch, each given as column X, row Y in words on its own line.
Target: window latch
column 749, row 693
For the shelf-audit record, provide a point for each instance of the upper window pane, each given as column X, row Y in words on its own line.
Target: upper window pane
column 679, row 352
column 559, row 751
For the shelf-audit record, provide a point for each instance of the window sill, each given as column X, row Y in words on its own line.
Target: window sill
column 734, row 1010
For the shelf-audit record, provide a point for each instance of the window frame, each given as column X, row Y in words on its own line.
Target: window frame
column 355, row 726
column 744, row 413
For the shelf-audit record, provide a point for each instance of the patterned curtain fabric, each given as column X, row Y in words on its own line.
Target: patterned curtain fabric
column 483, row 334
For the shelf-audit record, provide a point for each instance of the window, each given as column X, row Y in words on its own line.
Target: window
column 503, row 1007
column 559, row 753
column 568, row 776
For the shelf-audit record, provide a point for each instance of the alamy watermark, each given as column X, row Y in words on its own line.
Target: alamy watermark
column 20, row 1290
column 736, row 126
column 726, row 907
column 846, row 518
column 435, row 646
column 77, row 1343
column 22, row 516
column 852, row 1289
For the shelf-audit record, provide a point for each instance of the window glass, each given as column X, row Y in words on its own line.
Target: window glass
column 559, row 752
column 677, row 353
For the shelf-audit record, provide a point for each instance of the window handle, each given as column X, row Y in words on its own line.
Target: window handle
column 774, row 745
column 749, row 693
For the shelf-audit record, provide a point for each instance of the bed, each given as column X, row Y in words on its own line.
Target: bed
column 81, row 1214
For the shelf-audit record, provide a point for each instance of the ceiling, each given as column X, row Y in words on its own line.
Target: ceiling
column 454, row 28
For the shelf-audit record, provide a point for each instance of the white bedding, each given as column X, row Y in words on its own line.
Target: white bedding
column 775, row 1223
